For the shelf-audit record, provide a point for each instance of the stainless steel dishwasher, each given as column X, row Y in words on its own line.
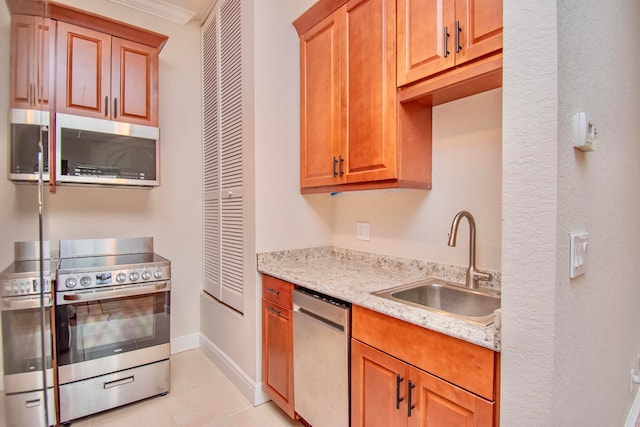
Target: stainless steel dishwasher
column 321, row 334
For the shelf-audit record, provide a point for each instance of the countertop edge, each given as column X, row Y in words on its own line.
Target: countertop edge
column 352, row 275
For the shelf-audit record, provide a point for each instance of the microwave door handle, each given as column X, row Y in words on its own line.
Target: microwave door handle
column 116, row 293
column 10, row 304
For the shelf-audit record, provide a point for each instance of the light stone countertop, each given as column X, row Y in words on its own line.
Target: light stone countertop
column 352, row 275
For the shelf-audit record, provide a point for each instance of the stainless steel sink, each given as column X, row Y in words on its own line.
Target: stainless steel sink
column 447, row 298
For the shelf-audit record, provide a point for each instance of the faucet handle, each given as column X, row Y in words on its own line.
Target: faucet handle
column 482, row 275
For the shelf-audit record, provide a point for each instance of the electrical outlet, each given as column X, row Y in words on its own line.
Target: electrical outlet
column 363, row 231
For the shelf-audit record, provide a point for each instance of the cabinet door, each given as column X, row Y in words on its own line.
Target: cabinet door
column 370, row 92
column 277, row 354
column 480, row 24
column 83, row 71
column 320, row 104
column 438, row 403
column 378, row 388
column 134, row 82
column 32, row 58
column 423, row 47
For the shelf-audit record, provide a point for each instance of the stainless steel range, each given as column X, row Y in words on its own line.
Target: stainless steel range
column 26, row 311
column 112, row 324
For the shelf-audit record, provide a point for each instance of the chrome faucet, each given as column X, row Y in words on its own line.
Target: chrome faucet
column 473, row 275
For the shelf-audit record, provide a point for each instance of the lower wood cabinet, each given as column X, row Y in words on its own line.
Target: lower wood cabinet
column 277, row 342
column 405, row 375
column 388, row 392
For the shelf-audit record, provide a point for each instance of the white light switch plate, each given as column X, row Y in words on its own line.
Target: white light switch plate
column 578, row 261
column 585, row 133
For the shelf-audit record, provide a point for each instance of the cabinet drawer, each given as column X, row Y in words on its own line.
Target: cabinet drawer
column 277, row 291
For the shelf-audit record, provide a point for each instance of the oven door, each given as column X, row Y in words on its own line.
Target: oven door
column 21, row 343
column 102, row 330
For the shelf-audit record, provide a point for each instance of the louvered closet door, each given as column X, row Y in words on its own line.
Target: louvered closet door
column 223, row 164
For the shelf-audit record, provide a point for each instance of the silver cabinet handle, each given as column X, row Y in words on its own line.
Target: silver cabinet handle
column 273, row 291
column 274, row 311
column 446, row 41
column 458, row 31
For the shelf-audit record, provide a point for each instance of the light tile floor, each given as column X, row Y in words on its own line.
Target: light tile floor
column 200, row 396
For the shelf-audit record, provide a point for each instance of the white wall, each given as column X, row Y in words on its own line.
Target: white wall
column 568, row 345
column 467, row 173
column 598, row 315
column 19, row 207
column 170, row 213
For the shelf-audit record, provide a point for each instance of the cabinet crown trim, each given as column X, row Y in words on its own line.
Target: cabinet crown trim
column 315, row 14
column 82, row 18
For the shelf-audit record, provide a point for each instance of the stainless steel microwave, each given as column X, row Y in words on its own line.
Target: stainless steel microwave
column 27, row 127
column 106, row 152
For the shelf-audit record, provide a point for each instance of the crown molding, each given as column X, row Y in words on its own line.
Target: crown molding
column 161, row 9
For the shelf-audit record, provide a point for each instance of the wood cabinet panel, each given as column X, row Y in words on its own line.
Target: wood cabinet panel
column 277, row 342
column 32, row 56
column 320, row 112
column 371, row 117
column 83, row 71
column 378, row 382
column 439, row 403
column 134, row 82
column 481, row 28
column 106, row 77
column 421, row 38
column 277, row 291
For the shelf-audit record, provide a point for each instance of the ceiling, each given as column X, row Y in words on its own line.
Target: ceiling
column 179, row 11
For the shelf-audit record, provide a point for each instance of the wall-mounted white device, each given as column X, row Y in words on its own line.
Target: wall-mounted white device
column 578, row 253
column 363, row 231
column 584, row 132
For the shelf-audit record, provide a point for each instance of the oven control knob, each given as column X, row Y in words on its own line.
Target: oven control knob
column 85, row 280
column 23, row 289
column 71, row 282
column 121, row 277
column 133, row 276
column 157, row 274
column 146, row 275
column 16, row 288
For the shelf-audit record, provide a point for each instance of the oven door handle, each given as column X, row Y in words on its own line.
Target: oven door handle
column 25, row 303
column 116, row 293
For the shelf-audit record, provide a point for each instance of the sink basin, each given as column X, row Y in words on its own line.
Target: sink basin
column 447, row 298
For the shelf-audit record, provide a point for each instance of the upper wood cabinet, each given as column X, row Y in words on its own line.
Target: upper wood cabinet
column 32, row 62
column 349, row 110
column 106, row 77
column 435, row 35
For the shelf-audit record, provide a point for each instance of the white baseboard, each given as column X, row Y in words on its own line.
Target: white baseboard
column 250, row 389
column 634, row 413
column 185, row 342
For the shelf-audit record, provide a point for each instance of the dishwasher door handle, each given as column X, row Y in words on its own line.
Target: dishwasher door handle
column 319, row 318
